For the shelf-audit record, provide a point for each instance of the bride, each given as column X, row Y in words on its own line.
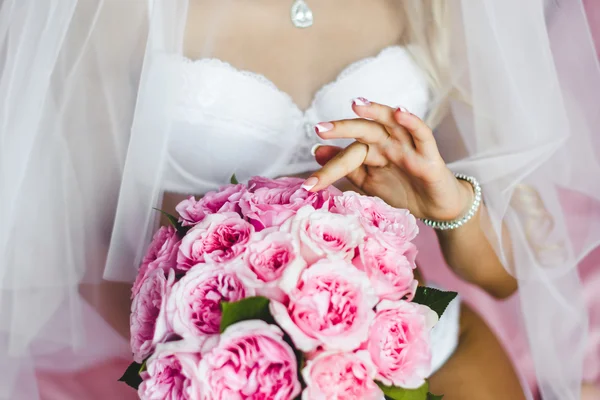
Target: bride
column 112, row 108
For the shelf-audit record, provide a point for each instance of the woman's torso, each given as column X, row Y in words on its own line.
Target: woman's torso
column 258, row 85
column 248, row 106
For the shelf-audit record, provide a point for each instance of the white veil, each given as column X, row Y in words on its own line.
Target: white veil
column 78, row 152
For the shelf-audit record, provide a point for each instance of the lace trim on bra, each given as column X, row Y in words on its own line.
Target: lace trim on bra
column 355, row 67
column 262, row 79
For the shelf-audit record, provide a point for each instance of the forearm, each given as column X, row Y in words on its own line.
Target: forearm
column 469, row 253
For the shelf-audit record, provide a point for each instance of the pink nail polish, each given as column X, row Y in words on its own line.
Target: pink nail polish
column 323, row 127
column 361, row 102
column 403, row 109
column 310, row 183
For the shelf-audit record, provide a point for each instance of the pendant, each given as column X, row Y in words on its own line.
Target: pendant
column 301, row 14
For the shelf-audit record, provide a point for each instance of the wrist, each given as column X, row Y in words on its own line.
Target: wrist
column 468, row 198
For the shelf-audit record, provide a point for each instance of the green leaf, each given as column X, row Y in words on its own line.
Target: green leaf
column 233, row 180
column 244, row 310
column 143, row 366
column 431, row 396
column 181, row 230
column 172, row 219
column 396, row 393
column 435, row 299
column 132, row 375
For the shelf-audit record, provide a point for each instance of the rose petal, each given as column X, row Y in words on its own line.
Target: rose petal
column 282, row 317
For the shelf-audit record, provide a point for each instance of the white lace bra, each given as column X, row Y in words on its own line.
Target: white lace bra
column 231, row 121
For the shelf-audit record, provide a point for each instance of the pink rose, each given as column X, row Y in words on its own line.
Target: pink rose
column 399, row 225
column 162, row 254
column 323, row 234
column 286, row 185
column 193, row 304
column 251, row 361
column 399, row 343
column 283, row 184
column 341, row 376
column 271, row 202
column 390, row 268
column 331, row 306
column 192, row 211
column 171, row 372
column 270, row 255
column 145, row 310
column 219, row 238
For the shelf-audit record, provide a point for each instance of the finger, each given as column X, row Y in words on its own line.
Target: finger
column 362, row 130
column 376, row 157
column 374, row 112
column 383, row 115
column 347, row 162
column 421, row 134
column 324, row 153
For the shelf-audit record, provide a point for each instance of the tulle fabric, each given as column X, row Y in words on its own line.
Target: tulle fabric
column 85, row 106
column 67, row 96
column 589, row 269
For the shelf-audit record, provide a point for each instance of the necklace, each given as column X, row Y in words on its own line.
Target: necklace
column 301, row 14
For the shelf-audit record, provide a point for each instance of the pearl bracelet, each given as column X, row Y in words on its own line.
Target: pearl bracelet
column 448, row 225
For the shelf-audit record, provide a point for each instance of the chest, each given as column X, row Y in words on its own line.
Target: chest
column 259, row 36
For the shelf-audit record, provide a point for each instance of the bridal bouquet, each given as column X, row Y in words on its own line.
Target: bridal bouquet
column 267, row 291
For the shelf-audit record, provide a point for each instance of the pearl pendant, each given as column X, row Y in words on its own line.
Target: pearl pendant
column 301, row 14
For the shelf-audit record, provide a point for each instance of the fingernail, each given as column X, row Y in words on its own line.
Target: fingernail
column 310, row 183
column 361, row 101
column 402, row 109
column 323, row 127
column 313, row 150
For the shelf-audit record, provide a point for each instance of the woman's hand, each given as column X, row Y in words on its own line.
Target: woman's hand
column 394, row 157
